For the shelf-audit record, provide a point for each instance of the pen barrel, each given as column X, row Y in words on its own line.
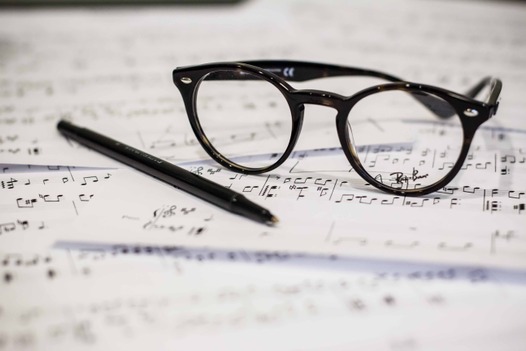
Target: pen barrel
column 151, row 165
column 166, row 172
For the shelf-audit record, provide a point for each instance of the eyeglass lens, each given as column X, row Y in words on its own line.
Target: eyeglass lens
column 244, row 117
column 401, row 141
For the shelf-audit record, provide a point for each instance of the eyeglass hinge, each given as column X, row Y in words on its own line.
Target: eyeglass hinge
column 494, row 109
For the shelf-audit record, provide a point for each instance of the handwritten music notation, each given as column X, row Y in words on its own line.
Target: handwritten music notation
column 484, row 207
column 20, row 225
column 485, row 224
column 94, row 260
column 35, row 200
column 302, row 179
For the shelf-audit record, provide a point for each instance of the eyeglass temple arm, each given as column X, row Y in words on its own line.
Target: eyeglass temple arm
column 302, row 71
column 495, row 87
column 297, row 71
column 442, row 111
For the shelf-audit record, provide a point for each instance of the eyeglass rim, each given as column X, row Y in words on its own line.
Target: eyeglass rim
column 188, row 78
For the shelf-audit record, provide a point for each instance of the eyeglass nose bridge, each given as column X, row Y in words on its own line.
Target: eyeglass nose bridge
column 319, row 97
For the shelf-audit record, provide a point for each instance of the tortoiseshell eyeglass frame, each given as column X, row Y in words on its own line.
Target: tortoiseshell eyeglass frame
column 472, row 113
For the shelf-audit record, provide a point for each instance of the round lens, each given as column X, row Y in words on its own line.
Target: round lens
column 244, row 117
column 405, row 140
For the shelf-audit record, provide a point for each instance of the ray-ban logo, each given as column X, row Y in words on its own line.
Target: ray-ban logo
column 401, row 178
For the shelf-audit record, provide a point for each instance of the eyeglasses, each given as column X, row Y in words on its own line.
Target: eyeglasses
column 401, row 137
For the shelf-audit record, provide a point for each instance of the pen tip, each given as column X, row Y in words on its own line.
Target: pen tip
column 273, row 220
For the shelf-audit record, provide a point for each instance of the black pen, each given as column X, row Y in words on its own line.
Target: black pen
column 168, row 172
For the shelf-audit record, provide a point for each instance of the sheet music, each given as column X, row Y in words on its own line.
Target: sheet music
column 479, row 223
column 86, row 68
column 130, row 304
column 363, row 272
column 36, row 200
